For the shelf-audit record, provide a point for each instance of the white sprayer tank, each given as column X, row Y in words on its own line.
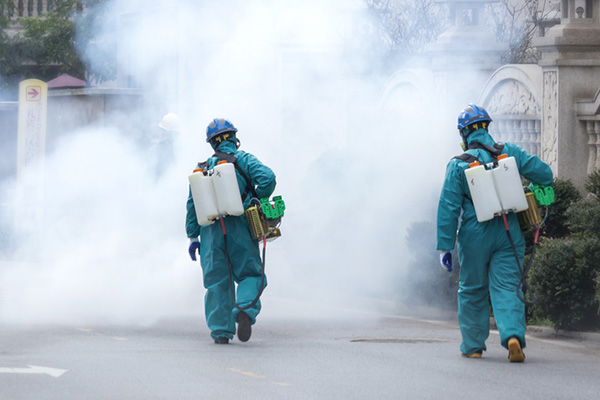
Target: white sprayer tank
column 508, row 185
column 229, row 200
column 483, row 192
column 203, row 194
column 496, row 190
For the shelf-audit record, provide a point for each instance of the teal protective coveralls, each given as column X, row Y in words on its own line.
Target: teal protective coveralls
column 244, row 254
column 487, row 260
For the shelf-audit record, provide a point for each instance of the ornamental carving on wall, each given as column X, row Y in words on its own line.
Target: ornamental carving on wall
column 550, row 122
column 511, row 97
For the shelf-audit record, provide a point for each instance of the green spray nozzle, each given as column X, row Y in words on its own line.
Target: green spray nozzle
column 273, row 209
column 543, row 194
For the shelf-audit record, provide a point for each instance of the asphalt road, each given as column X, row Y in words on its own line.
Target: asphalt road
column 294, row 353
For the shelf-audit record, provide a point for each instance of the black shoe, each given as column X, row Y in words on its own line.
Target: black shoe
column 244, row 327
column 222, row 340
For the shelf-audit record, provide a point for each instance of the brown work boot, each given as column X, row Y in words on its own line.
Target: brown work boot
column 476, row 354
column 515, row 353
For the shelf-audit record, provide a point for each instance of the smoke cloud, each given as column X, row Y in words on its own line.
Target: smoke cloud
column 354, row 170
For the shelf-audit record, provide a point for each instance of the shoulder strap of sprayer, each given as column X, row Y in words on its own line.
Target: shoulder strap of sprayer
column 203, row 165
column 494, row 151
column 466, row 157
column 233, row 159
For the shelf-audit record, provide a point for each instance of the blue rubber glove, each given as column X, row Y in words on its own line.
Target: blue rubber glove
column 194, row 248
column 446, row 260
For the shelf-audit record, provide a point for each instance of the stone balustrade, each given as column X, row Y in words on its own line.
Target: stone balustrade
column 593, row 131
column 524, row 132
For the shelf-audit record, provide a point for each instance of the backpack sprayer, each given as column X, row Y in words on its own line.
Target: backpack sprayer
column 264, row 218
column 216, row 195
column 497, row 190
column 536, row 195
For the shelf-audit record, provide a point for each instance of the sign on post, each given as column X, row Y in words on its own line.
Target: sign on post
column 31, row 149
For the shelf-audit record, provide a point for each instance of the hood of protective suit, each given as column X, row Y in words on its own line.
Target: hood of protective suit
column 226, row 146
column 482, row 136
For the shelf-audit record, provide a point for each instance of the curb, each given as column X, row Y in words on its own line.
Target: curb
column 548, row 331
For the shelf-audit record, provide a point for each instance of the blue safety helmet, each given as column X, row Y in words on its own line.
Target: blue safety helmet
column 218, row 126
column 472, row 114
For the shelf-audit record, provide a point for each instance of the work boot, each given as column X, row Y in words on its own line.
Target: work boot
column 476, row 354
column 244, row 327
column 515, row 354
column 222, row 340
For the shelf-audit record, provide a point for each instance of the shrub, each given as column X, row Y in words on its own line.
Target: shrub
column 592, row 183
column 563, row 278
column 598, row 289
column 565, row 195
column 584, row 216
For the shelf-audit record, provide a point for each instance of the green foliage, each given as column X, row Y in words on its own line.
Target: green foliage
column 598, row 289
column 58, row 42
column 563, row 278
column 584, row 216
column 556, row 223
column 592, row 183
column 565, row 274
column 49, row 41
column 6, row 49
column 565, row 271
column 3, row 41
column 7, row 8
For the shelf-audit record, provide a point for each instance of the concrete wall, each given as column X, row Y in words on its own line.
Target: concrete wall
column 70, row 110
column 92, row 107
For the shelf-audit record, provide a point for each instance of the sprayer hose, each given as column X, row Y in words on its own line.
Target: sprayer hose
column 522, row 287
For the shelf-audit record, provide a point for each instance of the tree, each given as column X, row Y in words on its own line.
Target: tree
column 407, row 25
column 517, row 23
column 57, row 43
column 9, row 51
column 49, row 42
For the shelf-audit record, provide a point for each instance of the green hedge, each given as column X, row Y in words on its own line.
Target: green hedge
column 592, row 184
column 563, row 278
column 565, row 273
column 565, row 195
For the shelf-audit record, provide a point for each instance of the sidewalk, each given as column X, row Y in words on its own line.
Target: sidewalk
column 550, row 332
column 452, row 317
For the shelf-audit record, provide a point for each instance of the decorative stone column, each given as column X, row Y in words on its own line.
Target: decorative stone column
column 570, row 60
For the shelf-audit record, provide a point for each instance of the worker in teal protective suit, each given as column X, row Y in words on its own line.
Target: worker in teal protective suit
column 244, row 256
column 486, row 255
